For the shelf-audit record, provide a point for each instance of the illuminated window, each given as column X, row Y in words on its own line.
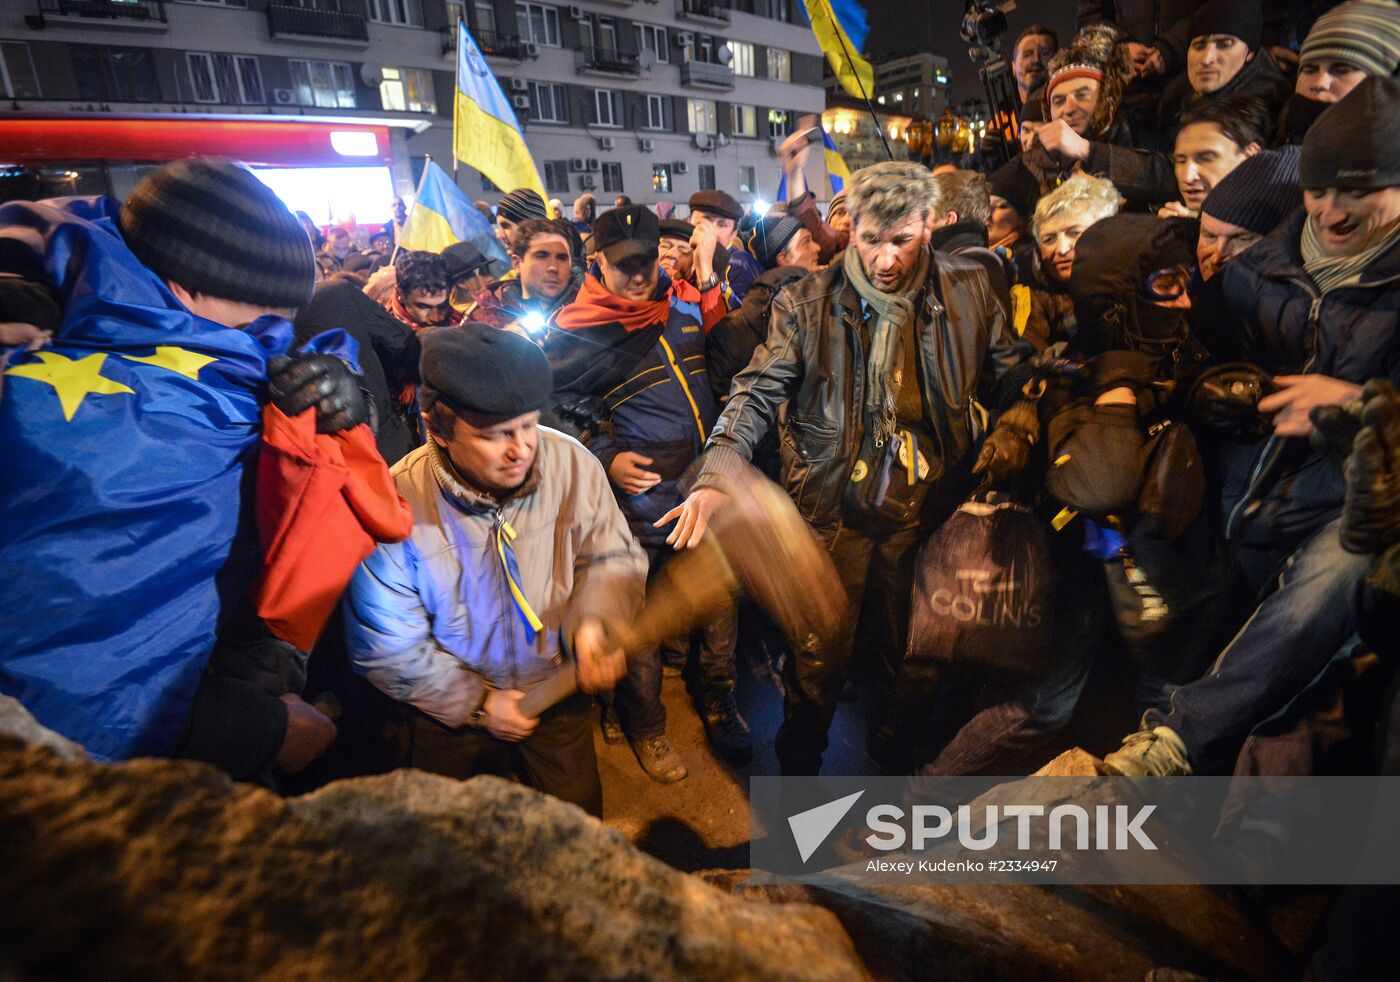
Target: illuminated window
column 743, row 63
column 779, row 65
column 407, row 90
column 323, row 83
column 661, row 178
column 778, row 124
column 702, row 115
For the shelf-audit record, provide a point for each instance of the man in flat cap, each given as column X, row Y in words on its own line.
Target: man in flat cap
column 720, row 210
column 517, row 558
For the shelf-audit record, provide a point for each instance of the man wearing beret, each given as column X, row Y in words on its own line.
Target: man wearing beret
column 518, row 556
column 720, row 210
column 630, row 342
column 1316, row 308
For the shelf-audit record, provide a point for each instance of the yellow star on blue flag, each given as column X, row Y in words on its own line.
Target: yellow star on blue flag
column 179, row 360
column 73, row 379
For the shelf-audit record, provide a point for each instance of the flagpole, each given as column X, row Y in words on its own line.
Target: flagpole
column 454, row 104
column 417, row 197
column 841, row 39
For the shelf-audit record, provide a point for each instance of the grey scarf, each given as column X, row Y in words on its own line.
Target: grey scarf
column 892, row 312
column 1331, row 272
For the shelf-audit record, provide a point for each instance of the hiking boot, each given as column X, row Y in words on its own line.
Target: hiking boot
column 659, row 759
column 725, row 727
column 1149, row 753
column 612, row 726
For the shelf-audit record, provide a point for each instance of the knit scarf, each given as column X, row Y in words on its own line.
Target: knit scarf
column 1331, row 272
column 892, row 312
column 596, row 305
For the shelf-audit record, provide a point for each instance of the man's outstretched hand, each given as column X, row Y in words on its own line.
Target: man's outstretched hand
column 692, row 517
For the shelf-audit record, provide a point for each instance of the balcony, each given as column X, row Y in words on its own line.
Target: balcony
column 589, row 60
column 508, row 46
column 318, row 26
column 703, row 11
column 108, row 15
column 703, row 75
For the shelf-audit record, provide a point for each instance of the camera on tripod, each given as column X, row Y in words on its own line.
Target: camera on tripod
column 983, row 26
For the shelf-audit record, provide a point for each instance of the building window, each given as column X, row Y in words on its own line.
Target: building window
column 779, row 65
column 407, row 90
column 484, row 16
column 702, row 116
column 605, row 109
column 538, row 23
column 408, row 13
column 612, row 177
column 323, row 83
column 777, row 9
column 778, row 124
column 225, row 78
column 658, row 112
column 556, row 175
column 115, row 74
column 743, row 58
column 17, row 76
column 743, row 120
column 661, row 178
column 599, row 34
column 652, row 38
column 748, row 184
column 707, row 177
column 705, row 50
column 548, row 103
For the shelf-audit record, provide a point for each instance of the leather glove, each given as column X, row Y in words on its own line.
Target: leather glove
column 1007, row 449
column 1226, row 398
column 1371, row 511
column 298, row 383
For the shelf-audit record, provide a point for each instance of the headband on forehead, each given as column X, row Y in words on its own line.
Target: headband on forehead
column 1073, row 71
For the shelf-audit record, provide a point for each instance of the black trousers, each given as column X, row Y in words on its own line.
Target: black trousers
column 557, row 758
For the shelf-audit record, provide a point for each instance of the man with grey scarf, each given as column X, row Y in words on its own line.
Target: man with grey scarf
column 885, row 361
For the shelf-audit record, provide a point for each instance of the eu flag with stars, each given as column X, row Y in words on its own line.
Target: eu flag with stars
column 128, row 443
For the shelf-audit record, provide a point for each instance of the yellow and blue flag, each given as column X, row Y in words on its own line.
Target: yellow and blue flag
column 841, row 28
column 485, row 133
column 836, row 170
column 442, row 215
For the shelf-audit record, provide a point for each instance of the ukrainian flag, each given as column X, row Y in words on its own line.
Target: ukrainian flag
column 443, row 215
column 485, row 133
column 840, row 28
column 836, row 170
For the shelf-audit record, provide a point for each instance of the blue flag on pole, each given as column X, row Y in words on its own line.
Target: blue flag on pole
column 442, row 215
column 126, row 523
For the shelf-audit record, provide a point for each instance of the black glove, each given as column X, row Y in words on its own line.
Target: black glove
column 324, row 381
column 1371, row 512
column 1115, row 369
column 1226, row 398
column 1007, row 449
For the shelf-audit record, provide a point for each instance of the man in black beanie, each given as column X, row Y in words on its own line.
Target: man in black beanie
column 1247, row 205
column 1225, row 58
column 1315, row 308
column 518, row 558
column 181, row 296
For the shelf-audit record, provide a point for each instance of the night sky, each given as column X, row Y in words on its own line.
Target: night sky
column 901, row 26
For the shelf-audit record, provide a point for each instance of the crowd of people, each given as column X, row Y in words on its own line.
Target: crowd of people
column 1168, row 328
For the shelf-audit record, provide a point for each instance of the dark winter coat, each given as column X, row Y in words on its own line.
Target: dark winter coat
column 1144, row 177
column 1280, row 491
column 1259, row 79
column 731, row 344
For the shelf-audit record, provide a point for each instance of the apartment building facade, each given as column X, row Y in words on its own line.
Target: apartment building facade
column 654, row 99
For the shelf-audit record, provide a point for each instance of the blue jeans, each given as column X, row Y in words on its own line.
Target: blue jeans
column 1287, row 642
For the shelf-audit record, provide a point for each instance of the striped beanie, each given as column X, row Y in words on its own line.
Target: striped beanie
column 209, row 225
column 771, row 236
column 1365, row 33
column 521, row 204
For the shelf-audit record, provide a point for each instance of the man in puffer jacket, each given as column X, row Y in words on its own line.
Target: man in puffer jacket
column 1317, row 303
column 517, row 559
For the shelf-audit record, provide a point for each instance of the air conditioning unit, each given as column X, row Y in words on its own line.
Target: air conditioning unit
column 680, row 167
column 520, row 101
column 284, row 97
column 593, row 164
column 587, row 182
column 578, row 164
column 606, row 143
column 532, row 50
column 648, row 146
column 519, row 85
column 685, row 39
column 575, row 11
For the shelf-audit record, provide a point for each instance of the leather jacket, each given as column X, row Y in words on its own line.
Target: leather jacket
column 814, row 361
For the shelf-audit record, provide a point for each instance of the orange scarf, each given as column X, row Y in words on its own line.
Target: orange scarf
column 595, row 306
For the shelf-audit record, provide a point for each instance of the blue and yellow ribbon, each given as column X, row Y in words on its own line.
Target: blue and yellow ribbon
column 505, row 535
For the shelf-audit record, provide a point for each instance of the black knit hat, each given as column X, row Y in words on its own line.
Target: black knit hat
column 718, row 203
column 771, row 237
column 483, row 374
column 1355, row 145
column 1243, row 19
column 209, row 225
column 520, row 204
column 1015, row 183
column 1259, row 193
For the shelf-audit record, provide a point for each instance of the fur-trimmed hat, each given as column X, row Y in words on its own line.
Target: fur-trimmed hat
column 1096, row 52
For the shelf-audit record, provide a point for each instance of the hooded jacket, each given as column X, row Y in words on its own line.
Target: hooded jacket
column 431, row 622
column 1279, row 491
